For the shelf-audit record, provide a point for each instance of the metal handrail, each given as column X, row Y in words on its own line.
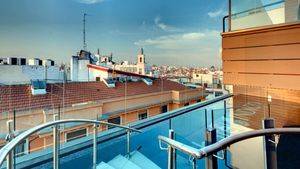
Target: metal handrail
column 224, row 24
column 224, row 143
column 4, row 151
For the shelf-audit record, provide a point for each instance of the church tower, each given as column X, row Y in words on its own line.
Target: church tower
column 141, row 64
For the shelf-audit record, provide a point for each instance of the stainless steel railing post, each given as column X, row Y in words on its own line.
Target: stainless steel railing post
column 56, row 143
column 171, row 152
column 211, row 162
column 10, row 158
column 270, row 146
column 95, row 146
column 194, row 163
column 128, row 142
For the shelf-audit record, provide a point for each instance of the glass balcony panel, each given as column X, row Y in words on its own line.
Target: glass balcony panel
column 256, row 13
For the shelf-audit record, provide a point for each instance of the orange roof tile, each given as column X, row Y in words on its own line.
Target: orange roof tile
column 19, row 97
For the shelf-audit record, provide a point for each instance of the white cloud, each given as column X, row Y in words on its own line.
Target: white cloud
column 178, row 41
column 193, row 36
column 164, row 26
column 217, row 13
column 90, row 1
column 198, row 48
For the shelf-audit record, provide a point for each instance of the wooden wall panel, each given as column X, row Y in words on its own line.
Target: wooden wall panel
column 262, row 53
column 284, row 112
column 269, row 67
column 263, row 80
column 262, row 37
column 264, row 57
column 279, row 94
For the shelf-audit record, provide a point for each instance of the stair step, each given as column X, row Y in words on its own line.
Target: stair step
column 120, row 162
column 142, row 161
column 104, row 165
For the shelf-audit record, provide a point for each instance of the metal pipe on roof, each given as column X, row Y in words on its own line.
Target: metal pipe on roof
column 229, row 15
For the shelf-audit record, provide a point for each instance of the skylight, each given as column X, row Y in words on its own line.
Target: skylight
column 38, row 87
column 148, row 81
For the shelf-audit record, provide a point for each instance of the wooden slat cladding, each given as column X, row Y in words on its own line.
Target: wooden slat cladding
column 263, row 39
column 284, row 34
column 280, row 94
column 263, row 80
column 285, row 113
column 265, row 57
column 289, row 67
column 290, row 51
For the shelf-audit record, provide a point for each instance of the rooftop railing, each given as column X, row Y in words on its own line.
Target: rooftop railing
column 160, row 123
column 7, row 151
column 211, row 150
column 257, row 13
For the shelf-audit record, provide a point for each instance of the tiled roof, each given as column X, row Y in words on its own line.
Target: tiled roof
column 110, row 70
column 19, row 97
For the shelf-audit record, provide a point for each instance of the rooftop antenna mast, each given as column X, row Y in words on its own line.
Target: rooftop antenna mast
column 84, row 41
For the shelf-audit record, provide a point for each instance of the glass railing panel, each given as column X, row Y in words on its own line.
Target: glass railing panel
column 251, row 105
column 146, row 142
column 256, row 13
column 190, row 129
column 244, row 153
column 191, row 134
column 190, row 126
column 247, row 114
column 82, row 156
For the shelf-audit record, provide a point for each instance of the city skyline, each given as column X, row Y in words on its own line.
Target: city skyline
column 181, row 33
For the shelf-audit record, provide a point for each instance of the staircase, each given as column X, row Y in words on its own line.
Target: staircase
column 135, row 160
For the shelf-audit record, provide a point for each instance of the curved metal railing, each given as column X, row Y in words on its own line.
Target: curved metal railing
column 9, row 147
column 224, row 143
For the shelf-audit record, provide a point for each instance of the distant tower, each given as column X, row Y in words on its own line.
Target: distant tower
column 141, row 64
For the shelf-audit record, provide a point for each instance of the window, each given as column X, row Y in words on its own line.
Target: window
column 14, row 61
column 22, row 148
column 141, row 59
column 116, row 120
column 76, row 134
column 143, row 115
column 186, row 104
column 218, row 94
column 40, row 62
column 164, row 108
column 98, row 79
column 23, row 61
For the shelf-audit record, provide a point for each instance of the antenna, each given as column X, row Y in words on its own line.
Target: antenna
column 84, row 41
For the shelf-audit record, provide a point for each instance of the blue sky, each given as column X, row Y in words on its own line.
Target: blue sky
column 174, row 32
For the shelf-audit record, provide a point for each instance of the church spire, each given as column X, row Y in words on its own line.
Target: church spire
column 141, row 51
